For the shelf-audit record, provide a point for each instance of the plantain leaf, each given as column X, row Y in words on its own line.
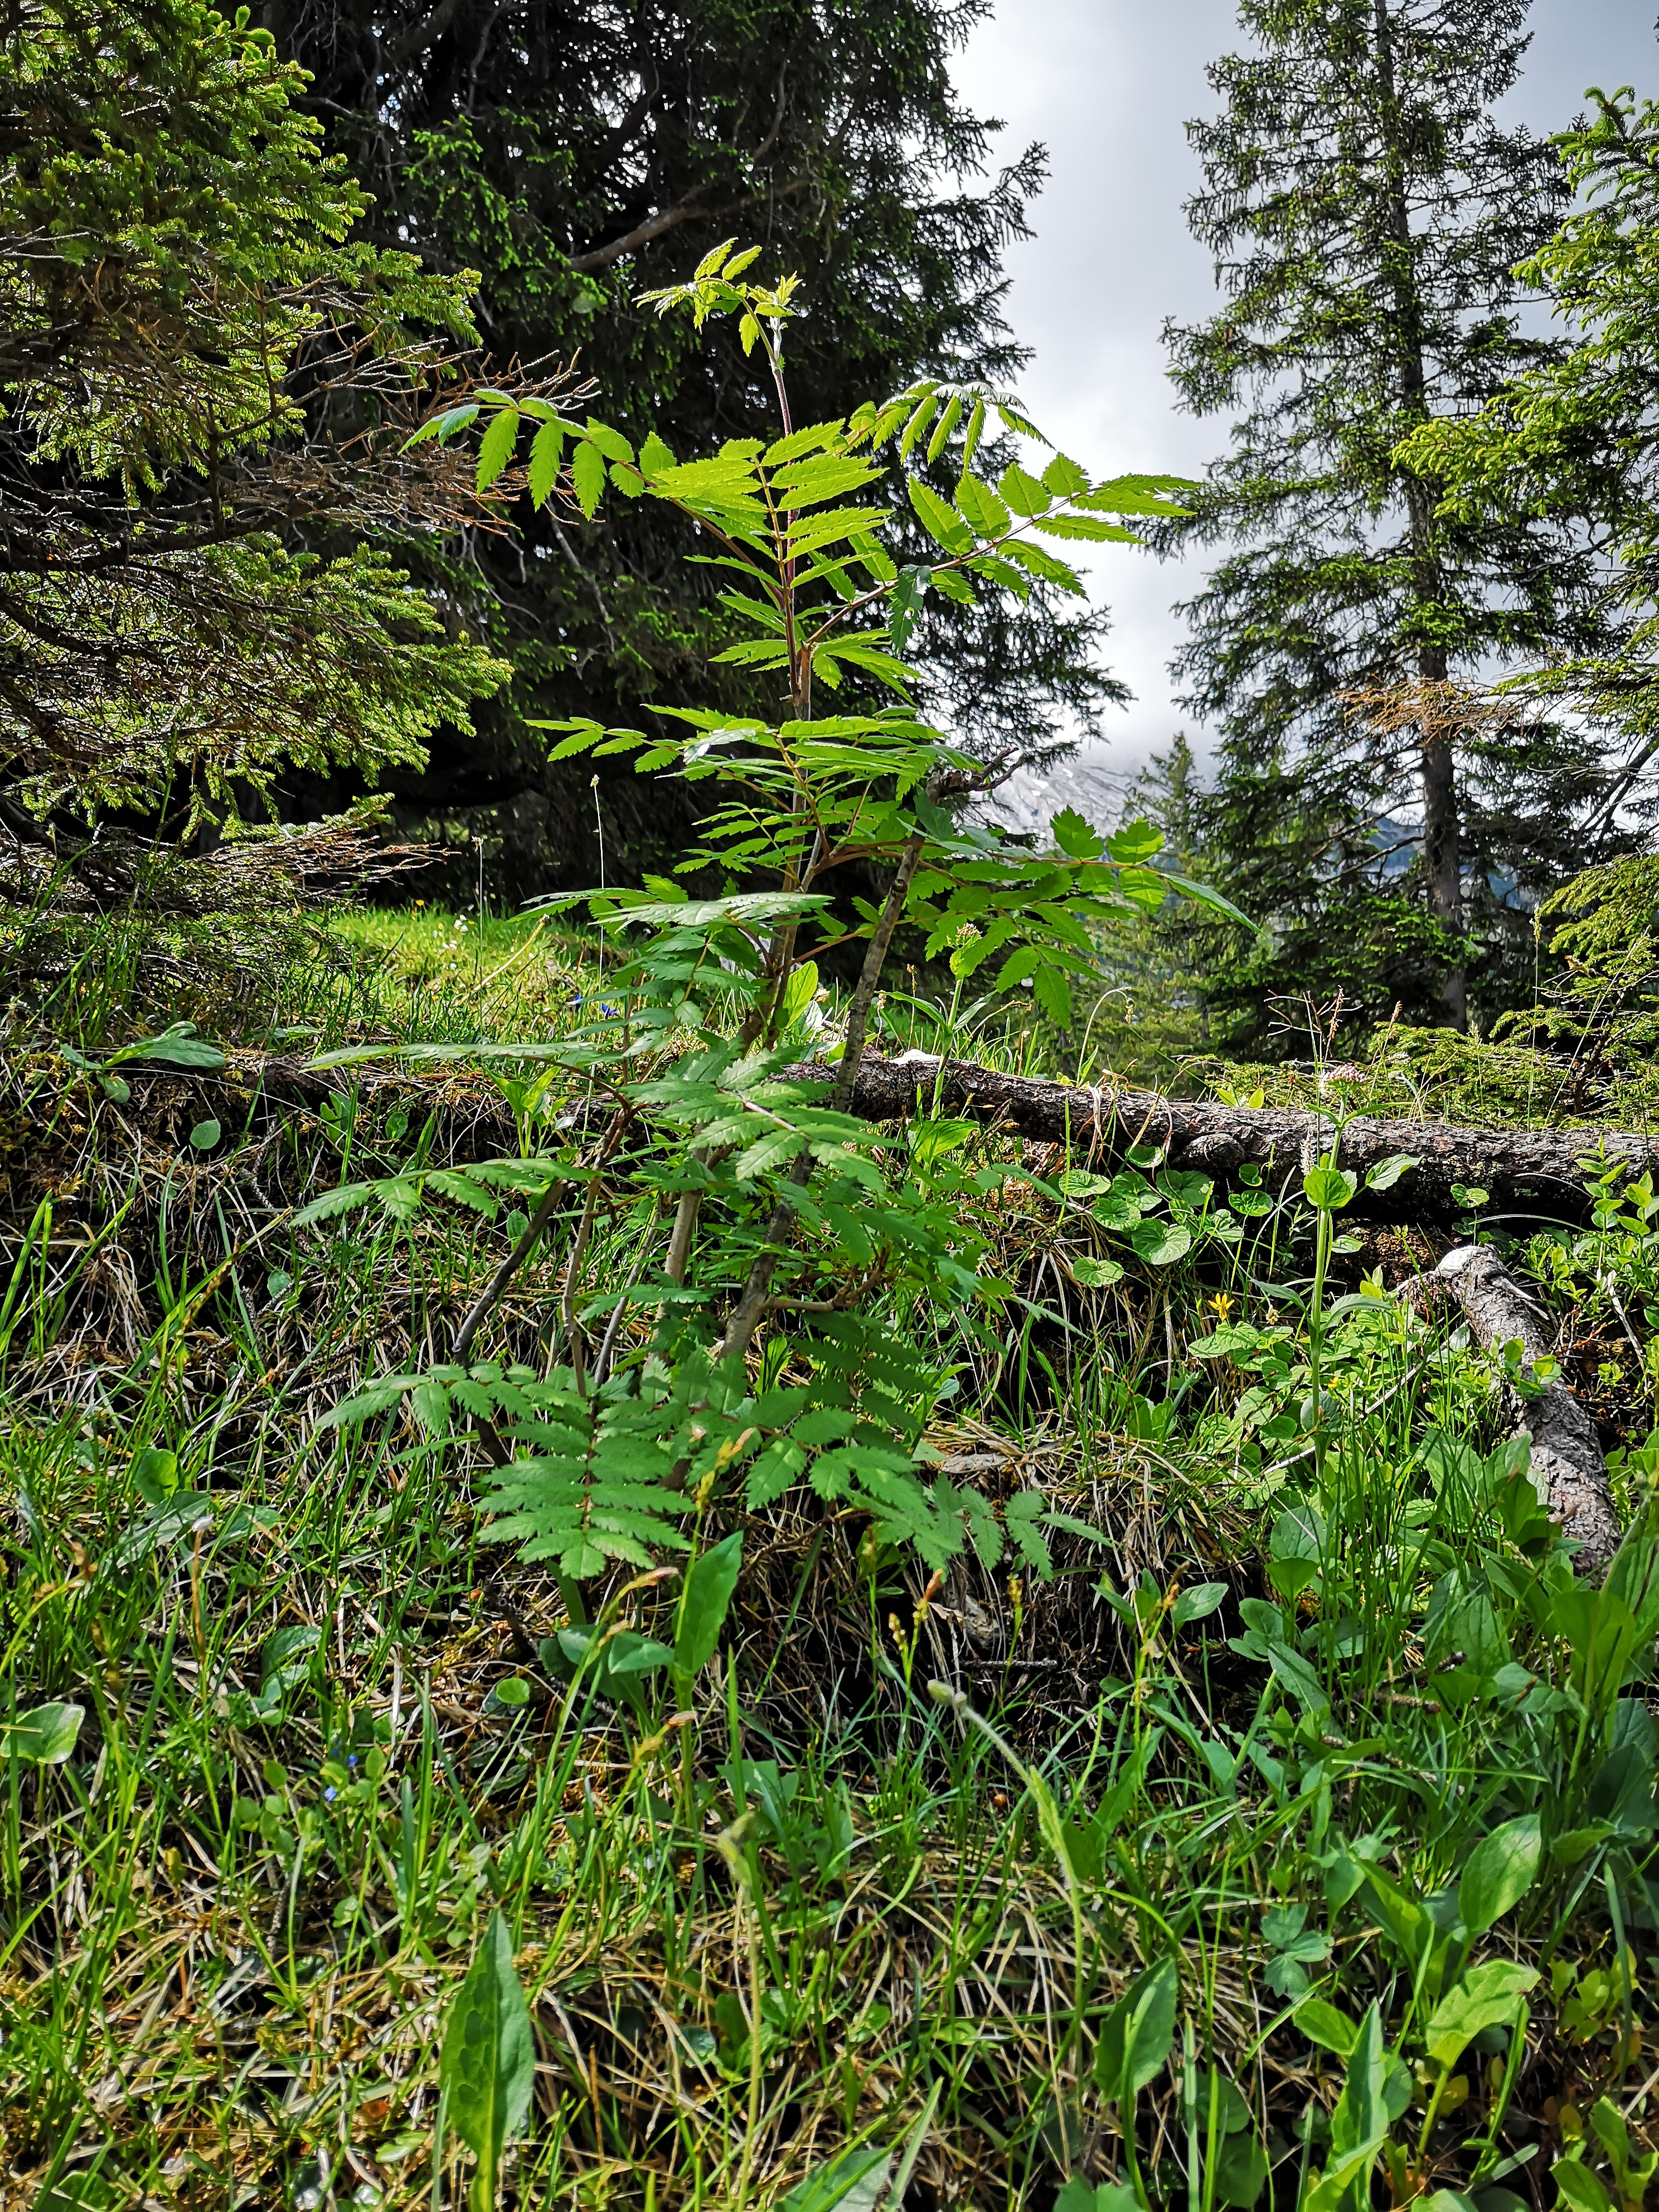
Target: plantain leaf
column 709, row 1588
column 487, row 2067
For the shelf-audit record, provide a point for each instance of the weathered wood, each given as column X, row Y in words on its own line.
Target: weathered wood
column 473, row 1124
column 1528, row 1170
column 1536, row 1167
column 1567, row 1465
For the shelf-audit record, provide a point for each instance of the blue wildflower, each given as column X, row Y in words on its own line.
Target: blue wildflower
column 329, row 1793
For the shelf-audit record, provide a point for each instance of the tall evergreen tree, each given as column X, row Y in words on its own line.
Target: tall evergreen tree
column 192, row 364
column 1367, row 211
column 1580, row 434
column 577, row 152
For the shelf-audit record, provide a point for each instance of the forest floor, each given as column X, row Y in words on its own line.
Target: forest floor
column 1280, row 1830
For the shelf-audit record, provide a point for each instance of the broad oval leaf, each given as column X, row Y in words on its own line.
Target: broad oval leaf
column 1499, row 1872
column 1489, row 1995
column 45, row 1735
column 1198, row 1603
column 1383, row 1175
column 1326, row 2025
column 1329, row 1189
column 709, row 1588
column 1138, row 2033
column 1578, row 2187
column 633, row 1654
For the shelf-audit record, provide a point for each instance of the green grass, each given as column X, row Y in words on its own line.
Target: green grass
column 1240, row 1735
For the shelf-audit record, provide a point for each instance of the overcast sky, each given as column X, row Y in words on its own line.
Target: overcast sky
column 1108, row 85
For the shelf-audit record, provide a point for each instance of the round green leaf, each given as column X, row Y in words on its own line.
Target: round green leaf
column 1199, row 1602
column 1161, row 1243
column 45, row 1737
column 155, row 1476
column 1095, row 1274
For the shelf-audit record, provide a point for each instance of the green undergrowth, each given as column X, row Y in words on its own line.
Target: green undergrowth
column 1437, row 1075
column 310, row 980
column 1257, row 1810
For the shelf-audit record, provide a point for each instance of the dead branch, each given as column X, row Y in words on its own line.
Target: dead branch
column 1536, row 1169
column 307, row 865
column 1567, row 1465
column 1533, row 1170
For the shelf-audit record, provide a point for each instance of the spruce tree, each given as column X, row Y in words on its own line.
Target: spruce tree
column 1367, row 211
column 1579, row 435
column 578, row 154
column 193, row 364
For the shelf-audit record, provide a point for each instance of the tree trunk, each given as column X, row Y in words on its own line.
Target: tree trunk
column 1442, row 858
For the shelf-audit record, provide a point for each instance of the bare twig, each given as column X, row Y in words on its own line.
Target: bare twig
column 579, row 1253
column 753, row 1305
column 552, row 1199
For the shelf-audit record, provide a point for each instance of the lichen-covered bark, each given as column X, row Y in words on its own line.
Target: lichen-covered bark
column 1516, row 1166
column 1520, row 1167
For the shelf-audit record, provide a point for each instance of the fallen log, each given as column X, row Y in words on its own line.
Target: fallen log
column 1567, row 1466
column 472, row 1123
column 1105, row 1122
column 1529, row 1168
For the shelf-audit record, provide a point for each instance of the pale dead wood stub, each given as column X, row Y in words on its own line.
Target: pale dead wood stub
column 1567, row 1465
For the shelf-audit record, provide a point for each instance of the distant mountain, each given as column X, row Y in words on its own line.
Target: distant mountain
column 1032, row 796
